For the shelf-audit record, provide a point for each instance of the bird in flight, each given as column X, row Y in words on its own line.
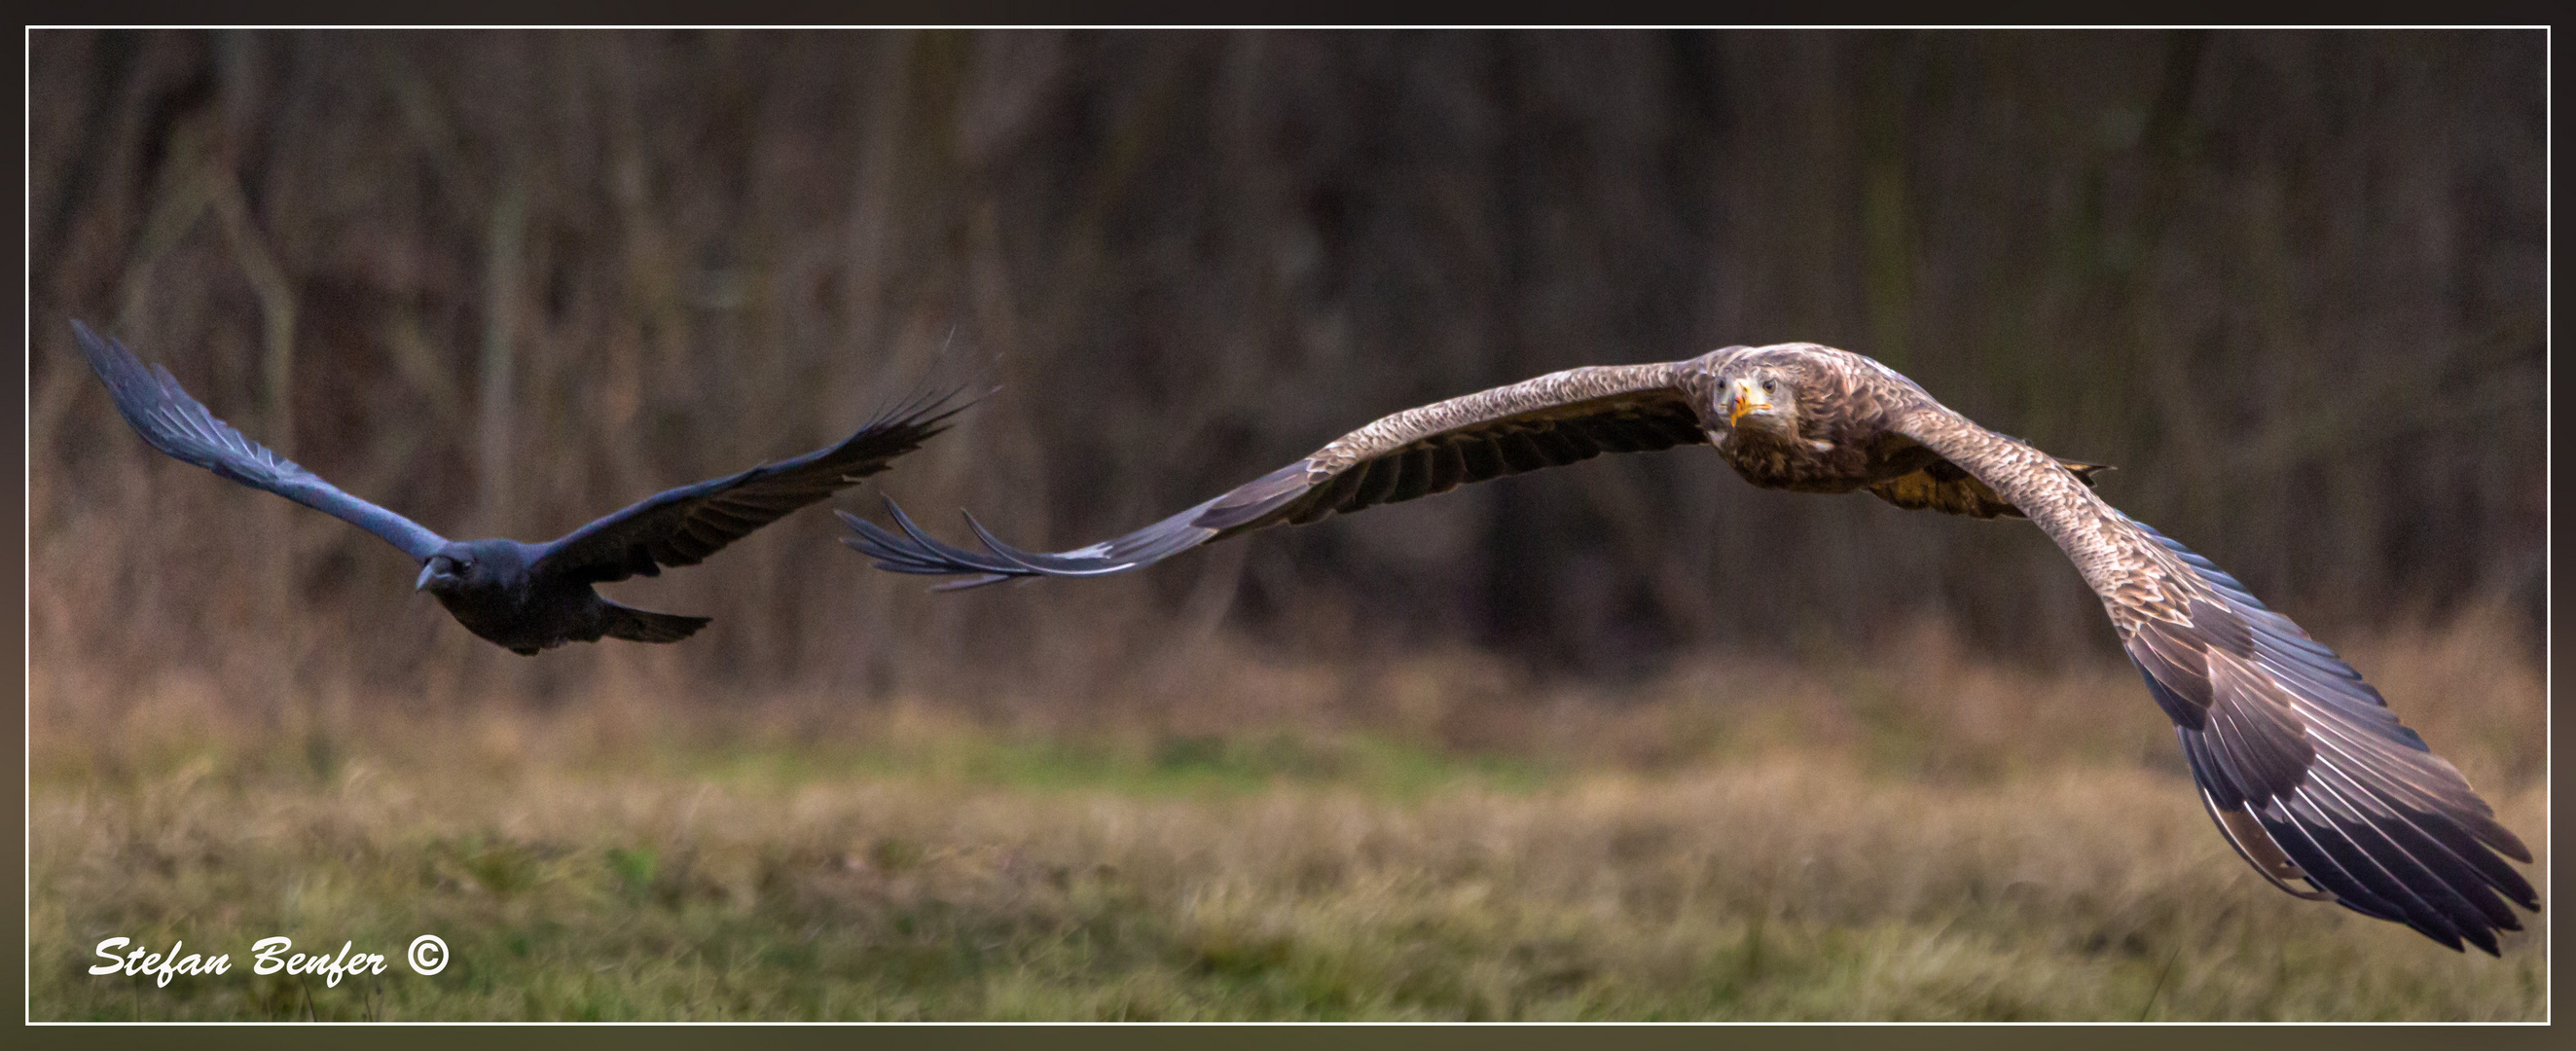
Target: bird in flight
column 528, row 597
column 2300, row 763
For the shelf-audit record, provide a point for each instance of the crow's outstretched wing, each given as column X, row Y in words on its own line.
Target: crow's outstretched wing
column 163, row 413
column 685, row 525
column 2301, row 764
column 1553, row 420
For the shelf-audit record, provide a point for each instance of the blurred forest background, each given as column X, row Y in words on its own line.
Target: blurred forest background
column 2289, row 283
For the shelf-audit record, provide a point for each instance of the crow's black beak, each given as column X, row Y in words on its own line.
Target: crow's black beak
column 425, row 570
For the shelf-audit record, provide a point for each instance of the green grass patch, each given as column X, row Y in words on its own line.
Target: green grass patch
column 1166, row 766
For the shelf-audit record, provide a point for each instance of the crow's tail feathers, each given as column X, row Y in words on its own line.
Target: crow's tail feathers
column 637, row 625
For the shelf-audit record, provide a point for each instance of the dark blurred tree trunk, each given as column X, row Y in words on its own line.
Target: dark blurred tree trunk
column 1517, row 591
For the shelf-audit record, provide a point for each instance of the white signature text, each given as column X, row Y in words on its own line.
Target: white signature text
column 268, row 956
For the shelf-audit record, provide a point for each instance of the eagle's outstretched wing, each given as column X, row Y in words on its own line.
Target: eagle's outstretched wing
column 161, row 411
column 680, row 527
column 2301, row 764
column 1553, row 420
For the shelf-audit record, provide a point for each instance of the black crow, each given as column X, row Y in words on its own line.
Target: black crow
column 528, row 597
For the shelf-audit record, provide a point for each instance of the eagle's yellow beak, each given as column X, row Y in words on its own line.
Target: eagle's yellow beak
column 1746, row 397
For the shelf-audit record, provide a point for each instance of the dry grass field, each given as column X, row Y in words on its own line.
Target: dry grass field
column 1928, row 838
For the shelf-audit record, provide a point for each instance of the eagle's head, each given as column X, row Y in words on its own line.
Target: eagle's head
column 1758, row 393
column 1759, row 399
column 1770, row 395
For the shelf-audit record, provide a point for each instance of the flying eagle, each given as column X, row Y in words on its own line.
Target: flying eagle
column 527, row 597
column 2299, row 762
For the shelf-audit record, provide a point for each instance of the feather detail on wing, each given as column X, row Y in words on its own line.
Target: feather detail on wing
column 1942, row 486
column 2300, row 763
column 1549, row 421
column 682, row 526
column 152, row 401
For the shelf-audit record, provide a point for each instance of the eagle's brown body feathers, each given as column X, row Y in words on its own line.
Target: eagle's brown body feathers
column 2299, row 762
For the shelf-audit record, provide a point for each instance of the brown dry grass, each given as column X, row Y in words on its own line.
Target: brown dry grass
column 1922, row 836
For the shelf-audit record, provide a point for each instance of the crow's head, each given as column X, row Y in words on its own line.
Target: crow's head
column 471, row 566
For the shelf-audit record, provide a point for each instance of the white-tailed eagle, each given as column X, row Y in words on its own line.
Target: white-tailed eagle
column 2299, row 762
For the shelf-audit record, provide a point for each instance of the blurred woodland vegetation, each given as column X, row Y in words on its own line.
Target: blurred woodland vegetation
column 2290, row 283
